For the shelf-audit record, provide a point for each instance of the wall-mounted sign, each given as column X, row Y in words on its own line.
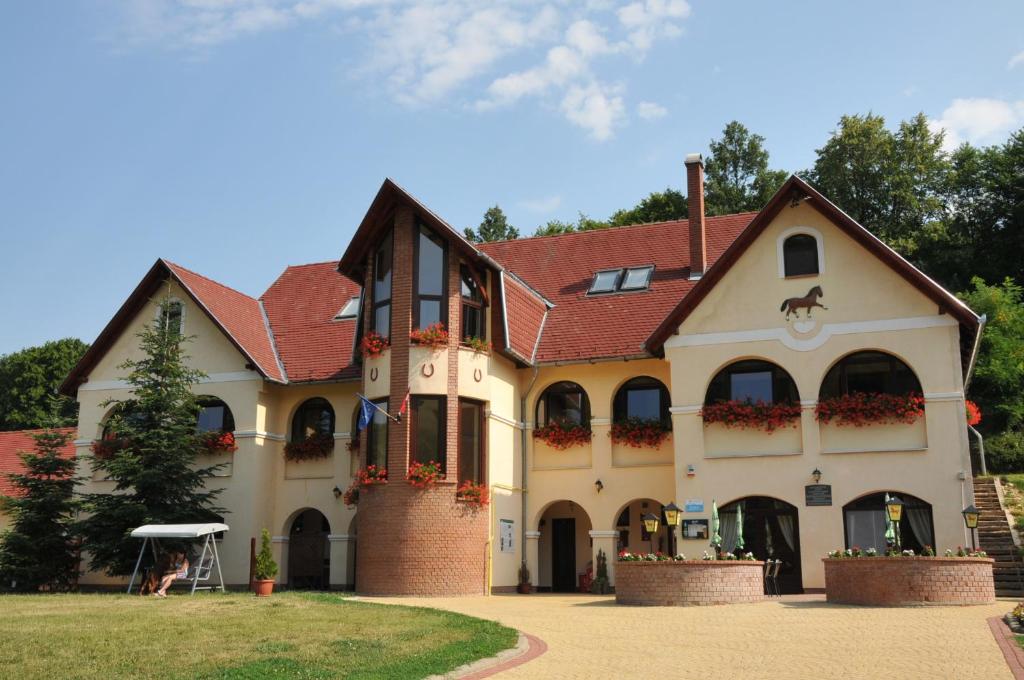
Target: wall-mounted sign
column 695, row 528
column 818, row 494
column 693, row 505
column 505, row 535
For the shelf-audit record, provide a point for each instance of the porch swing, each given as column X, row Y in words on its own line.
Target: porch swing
column 202, row 570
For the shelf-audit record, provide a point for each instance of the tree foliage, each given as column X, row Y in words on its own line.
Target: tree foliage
column 659, row 206
column 39, row 551
column 154, row 473
column 737, row 177
column 494, row 227
column 28, row 385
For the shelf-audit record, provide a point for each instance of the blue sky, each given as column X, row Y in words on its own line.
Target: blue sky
column 236, row 137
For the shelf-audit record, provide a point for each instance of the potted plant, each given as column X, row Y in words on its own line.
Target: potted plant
column 524, row 587
column 266, row 568
column 600, row 584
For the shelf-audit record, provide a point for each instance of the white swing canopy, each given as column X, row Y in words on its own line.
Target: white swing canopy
column 178, row 530
column 208, row 560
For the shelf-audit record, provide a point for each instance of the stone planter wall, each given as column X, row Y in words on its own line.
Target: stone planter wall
column 691, row 582
column 894, row 581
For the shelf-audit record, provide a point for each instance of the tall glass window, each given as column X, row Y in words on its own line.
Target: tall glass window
column 428, row 429
column 377, row 440
column 429, row 307
column 474, row 324
column 642, row 399
column 382, row 265
column 471, row 442
column 752, row 381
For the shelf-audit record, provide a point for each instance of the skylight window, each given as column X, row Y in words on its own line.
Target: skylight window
column 637, row 278
column 622, row 280
column 350, row 310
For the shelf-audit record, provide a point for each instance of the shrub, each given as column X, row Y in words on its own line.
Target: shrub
column 266, row 567
column 1005, row 452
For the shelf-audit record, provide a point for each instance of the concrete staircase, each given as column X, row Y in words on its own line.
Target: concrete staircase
column 995, row 538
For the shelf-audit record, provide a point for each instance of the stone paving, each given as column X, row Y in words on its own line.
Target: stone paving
column 792, row 637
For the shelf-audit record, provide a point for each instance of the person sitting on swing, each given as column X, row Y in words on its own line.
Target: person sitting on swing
column 177, row 567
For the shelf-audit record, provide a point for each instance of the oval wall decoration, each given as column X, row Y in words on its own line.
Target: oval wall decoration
column 427, row 370
column 478, row 375
column 373, row 374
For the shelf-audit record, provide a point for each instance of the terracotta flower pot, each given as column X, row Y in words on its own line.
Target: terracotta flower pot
column 264, row 587
column 524, row 588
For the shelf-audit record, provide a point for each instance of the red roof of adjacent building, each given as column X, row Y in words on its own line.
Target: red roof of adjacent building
column 302, row 305
column 562, row 268
column 21, row 441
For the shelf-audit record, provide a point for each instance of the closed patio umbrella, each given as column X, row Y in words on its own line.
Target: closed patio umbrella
column 716, row 538
column 740, row 544
column 890, row 529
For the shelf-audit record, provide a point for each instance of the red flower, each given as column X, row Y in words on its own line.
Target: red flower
column 973, row 413
column 751, row 414
column 373, row 344
column 434, row 336
column 472, row 493
column 217, row 441
column 424, row 475
column 638, row 432
column 104, row 449
column 371, row 475
column 313, row 446
column 563, row 436
column 870, row 408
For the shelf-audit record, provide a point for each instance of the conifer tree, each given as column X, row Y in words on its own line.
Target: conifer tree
column 152, row 459
column 39, row 551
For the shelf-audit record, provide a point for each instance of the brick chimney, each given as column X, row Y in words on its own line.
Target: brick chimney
column 695, row 198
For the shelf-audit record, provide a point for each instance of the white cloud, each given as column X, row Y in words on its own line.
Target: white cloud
column 596, row 108
column 421, row 52
column 1016, row 60
column 651, row 110
column 541, row 205
column 978, row 121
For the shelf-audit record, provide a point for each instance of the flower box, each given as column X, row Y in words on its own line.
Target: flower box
column 684, row 583
column 424, row 475
column 639, row 433
column 213, row 442
column 900, row 581
column 373, row 345
column 563, row 436
column 473, row 494
column 310, row 448
column 434, row 336
column 755, row 415
column 860, row 409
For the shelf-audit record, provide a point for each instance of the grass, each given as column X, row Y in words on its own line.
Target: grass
column 1013, row 496
column 214, row 636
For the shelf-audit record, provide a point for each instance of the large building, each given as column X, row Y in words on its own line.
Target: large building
column 627, row 368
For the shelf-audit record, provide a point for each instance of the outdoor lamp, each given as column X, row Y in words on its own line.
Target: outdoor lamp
column 894, row 506
column 651, row 523
column 817, row 475
column 971, row 515
column 337, row 492
column 672, row 513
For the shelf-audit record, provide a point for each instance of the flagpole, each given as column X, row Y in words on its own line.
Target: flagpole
column 364, row 398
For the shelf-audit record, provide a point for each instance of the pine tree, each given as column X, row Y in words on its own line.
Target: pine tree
column 494, row 227
column 39, row 551
column 153, row 466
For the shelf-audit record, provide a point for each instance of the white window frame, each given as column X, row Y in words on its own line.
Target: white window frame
column 780, row 244
column 359, row 303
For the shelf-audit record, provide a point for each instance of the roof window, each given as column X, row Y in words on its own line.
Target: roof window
column 622, row 280
column 350, row 310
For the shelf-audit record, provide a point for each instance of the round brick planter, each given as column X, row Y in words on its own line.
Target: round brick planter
column 895, row 581
column 688, row 583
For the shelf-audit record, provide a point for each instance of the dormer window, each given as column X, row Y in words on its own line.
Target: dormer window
column 350, row 310
column 621, row 280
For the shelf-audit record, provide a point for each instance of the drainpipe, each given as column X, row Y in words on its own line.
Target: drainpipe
column 522, row 455
column 981, row 448
column 982, row 322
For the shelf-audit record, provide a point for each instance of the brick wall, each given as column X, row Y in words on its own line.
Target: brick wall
column 412, row 541
column 884, row 581
column 693, row 582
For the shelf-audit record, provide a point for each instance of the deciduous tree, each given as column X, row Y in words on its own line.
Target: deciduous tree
column 28, row 385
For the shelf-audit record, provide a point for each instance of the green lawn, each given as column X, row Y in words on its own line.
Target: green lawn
column 290, row 635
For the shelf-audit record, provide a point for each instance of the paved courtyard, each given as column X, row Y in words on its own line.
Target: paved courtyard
column 796, row 637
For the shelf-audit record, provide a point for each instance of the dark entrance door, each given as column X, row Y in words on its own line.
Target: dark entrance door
column 563, row 555
column 771, row 530
column 309, row 552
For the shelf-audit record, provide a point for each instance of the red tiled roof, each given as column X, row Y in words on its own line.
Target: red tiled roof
column 301, row 305
column 525, row 317
column 13, row 443
column 562, row 268
column 238, row 315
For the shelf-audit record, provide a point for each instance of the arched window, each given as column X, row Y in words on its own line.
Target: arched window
column 564, row 403
column 869, row 372
column 170, row 316
column 314, row 417
column 214, row 416
column 865, row 525
column 752, row 381
column 642, row 398
column 800, row 255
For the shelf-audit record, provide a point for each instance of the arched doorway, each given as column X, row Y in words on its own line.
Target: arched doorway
column 564, row 552
column 771, row 530
column 309, row 551
column 864, row 522
column 632, row 534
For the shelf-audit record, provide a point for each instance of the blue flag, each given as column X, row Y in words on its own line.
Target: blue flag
column 365, row 413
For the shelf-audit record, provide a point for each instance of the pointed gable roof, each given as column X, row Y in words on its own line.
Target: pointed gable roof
column 235, row 314
column 796, row 189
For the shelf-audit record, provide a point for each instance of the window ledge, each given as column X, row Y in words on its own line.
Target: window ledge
column 759, row 454
column 913, row 449
column 560, row 467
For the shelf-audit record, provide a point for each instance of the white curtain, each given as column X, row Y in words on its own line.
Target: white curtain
column 865, row 529
column 786, row 527
column 728, row 531
column 921, row 524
